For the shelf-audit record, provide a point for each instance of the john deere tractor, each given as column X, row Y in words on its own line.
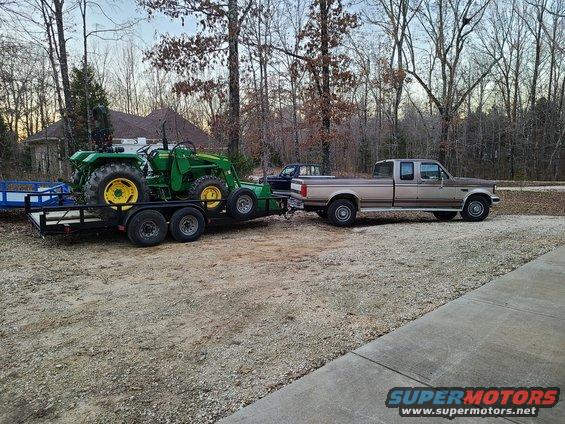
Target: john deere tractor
column 107, row 175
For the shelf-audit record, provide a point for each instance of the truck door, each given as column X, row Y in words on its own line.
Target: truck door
column 406, row 186
column 434, row 189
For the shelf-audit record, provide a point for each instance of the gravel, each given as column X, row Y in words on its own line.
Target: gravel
column 96, row 330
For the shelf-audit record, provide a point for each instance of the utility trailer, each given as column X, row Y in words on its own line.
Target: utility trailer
column 13, row 193
column 145, row 223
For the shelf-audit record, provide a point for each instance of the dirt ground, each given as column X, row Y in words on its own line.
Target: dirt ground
column 95, row 330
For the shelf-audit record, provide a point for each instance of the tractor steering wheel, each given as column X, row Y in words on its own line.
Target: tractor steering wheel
column 143, row 150
column 187, row 143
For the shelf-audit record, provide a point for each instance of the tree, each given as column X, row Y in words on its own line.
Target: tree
column 447, row 25
column 97, row 96
column 328, row 24
column 216, row 43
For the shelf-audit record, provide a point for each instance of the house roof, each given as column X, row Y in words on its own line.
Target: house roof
column 130, row 126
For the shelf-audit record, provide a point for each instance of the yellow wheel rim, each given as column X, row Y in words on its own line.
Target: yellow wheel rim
column 121, row 190
column 211, row 193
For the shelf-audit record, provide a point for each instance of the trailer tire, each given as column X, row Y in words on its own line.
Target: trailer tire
column 342, row 213
column 187, row 224
column 147, row 227
column 444, row 215
column 242, row 204
column 209, row 187
column 476, row 209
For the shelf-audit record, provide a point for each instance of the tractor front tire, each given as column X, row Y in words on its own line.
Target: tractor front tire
column 242, row 204
column 115, row 183
column 210, row 188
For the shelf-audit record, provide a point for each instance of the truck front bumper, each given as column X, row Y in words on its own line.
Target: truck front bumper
column 494, row 200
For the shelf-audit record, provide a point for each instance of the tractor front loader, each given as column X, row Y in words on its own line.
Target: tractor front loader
column 107, row 175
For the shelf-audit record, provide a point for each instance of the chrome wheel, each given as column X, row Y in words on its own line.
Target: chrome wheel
column 188, row 225
column 343, row 213
column 476, row 208
column 244, row 204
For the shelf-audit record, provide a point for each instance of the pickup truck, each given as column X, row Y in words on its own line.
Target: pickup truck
column 280, row 184
column 397, row 185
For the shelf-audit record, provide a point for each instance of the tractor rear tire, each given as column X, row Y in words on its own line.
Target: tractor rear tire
column 242, row 204
column 187, row 224
column 147, row 228
column 212, row 188
column 113, row 183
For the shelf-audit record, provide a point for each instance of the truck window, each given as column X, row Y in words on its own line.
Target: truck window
column 304, row 170
column 430, row 171
column 316, row 170
column 288, row 171
column 383, row 170
column 406, row 170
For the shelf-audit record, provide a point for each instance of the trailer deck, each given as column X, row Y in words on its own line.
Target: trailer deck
column 65, row 218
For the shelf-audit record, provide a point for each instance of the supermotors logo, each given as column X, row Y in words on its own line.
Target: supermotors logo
column 451, row 402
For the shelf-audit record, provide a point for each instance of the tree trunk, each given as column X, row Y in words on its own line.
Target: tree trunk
column 326, row 93
column 64, row 67
column 233, row 67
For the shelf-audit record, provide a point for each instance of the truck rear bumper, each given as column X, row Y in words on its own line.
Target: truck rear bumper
column 295, row 203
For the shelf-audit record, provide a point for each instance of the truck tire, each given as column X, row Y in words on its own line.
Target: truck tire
column 209, row 187
column 476, row 209
column 242, row 204
column 187, row 224
column 342, row 212
column 445, row 216
column 115, row 182
column 147, row 228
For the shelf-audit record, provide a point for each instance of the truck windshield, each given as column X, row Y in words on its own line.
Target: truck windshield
column 383, row 170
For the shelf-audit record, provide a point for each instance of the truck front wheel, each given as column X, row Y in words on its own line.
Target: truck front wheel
column 342, row 213
column 476, row 209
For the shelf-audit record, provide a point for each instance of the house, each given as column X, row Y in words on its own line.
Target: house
column 49, row 152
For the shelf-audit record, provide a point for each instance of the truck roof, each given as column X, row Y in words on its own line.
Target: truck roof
column 408, row 159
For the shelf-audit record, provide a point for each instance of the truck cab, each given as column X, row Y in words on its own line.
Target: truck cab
column 280, row 184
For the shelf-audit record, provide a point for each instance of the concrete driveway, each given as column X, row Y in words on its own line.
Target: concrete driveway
column 509, row 332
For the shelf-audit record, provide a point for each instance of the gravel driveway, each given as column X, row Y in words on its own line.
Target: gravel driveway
column 95, row 330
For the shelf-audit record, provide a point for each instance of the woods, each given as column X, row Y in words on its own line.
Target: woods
column 478, row 85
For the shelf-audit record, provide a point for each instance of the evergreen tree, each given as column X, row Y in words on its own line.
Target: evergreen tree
column 80, row 91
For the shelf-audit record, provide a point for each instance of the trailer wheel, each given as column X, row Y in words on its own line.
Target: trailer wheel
column 147, row 228
column 342, row 212
column 444, row 215
column 476, row 209
column 187, row 224
column 242, row 204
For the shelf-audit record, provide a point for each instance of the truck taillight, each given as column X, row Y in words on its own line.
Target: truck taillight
column 303, row 190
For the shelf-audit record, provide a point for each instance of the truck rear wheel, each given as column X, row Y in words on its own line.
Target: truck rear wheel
column 187, row 224
column 209, row 188
column 445, row 216
column 476, row 209
column 342, row 213
column 115, row 183
column 147, row 228
column 242, row 204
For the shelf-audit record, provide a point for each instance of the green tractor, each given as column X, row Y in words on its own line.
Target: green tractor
column 109, row 176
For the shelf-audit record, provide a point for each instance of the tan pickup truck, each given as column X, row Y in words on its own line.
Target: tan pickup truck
column 397, row 185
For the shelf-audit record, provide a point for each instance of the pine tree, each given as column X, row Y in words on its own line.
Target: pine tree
column 96, row 96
